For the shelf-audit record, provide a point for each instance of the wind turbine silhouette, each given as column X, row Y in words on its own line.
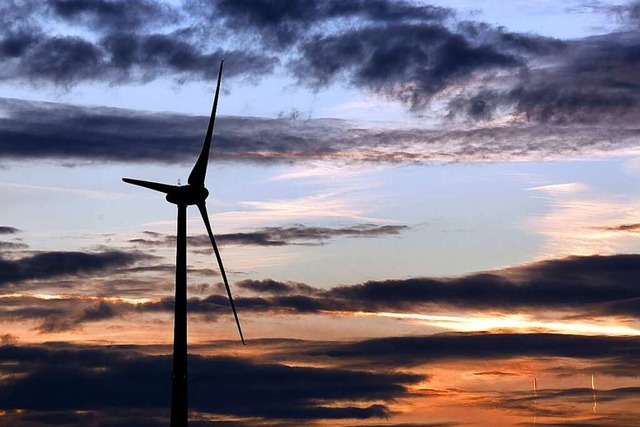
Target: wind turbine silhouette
column 194, row 193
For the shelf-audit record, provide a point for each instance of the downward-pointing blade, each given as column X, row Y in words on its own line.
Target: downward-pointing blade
column 203, row 211
column 163, row 188
column 199, row 171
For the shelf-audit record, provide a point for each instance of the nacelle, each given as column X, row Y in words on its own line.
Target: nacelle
column 187, row 195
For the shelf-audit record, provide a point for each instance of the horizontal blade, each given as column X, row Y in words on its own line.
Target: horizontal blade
column 205, row 218
column 163, row 188
column 199, row 171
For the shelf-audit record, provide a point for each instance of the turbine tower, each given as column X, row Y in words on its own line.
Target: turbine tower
column 194, row 193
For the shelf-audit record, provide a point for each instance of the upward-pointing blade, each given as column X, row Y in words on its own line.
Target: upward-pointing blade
column 205, row 218
column 199, row 171
column 163, row 188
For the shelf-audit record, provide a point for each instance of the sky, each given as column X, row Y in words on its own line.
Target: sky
column 429, row 212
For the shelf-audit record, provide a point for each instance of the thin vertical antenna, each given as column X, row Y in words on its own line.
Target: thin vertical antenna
column 593, row 392
column 535, row 401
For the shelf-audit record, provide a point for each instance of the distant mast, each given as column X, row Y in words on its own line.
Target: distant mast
column 535, row 401
column 593, row 392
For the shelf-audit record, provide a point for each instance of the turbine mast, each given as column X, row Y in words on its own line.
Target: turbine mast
column 179, row 401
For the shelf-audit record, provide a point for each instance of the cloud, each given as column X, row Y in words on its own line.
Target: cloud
column 48, row 265
column 119, row 43
column 623, row 227
column 420, row 350
column 103, row 379
column 282, row 23
column 580, row 224
column 580, row 287
column 406, row 61
column 357, row 380
column 12, row 245
column 269, row 286
column 551, row 283
column 8, row 230
column 604, row 284
column 396, row 49
column 113, row 15
column 281, row 236
column 62, row 313
column 31, row 130
column 414, row 425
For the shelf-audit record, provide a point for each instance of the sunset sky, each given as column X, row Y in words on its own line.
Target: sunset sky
column 429, row 212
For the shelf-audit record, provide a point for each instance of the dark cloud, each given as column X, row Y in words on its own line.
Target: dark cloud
column 121, row 44
column 626, row 13
column 104, row 379
column 121, row 383
column 8, row 339
column 594, row 82
column 595, row 284
column 495, row 373
column 62, row 60
column 398, row 49
column 301, row 234
column 114, row 15
column 579, row 286
column 12, row 245
column 623, row 227
column 280, row 236
column 8, row 230
column 60, row 314
column 418, row 350
column 574, row 282
column 66, row 60
column 282, row 23
column 405, row 61
column 149, row 57
column 47, row 265
column 82, row 134
column 269, row 286
column 414, row 425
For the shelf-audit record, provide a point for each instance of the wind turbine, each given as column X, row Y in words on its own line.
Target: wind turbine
column 194, row 193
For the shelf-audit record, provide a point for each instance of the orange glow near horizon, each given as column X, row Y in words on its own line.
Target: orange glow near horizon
column 514, row 323
column 124, row 300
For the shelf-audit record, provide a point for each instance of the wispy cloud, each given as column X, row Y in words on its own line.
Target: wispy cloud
column 298, row 234
column 344, row 205
column 559, row 189
column 93, row 194
column 582, row 225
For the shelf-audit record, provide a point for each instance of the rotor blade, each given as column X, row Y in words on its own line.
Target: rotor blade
column 199, row 170
column 163, row 188
column 205, row 218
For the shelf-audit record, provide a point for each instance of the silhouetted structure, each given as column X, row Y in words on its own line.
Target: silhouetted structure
column 194, row 193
